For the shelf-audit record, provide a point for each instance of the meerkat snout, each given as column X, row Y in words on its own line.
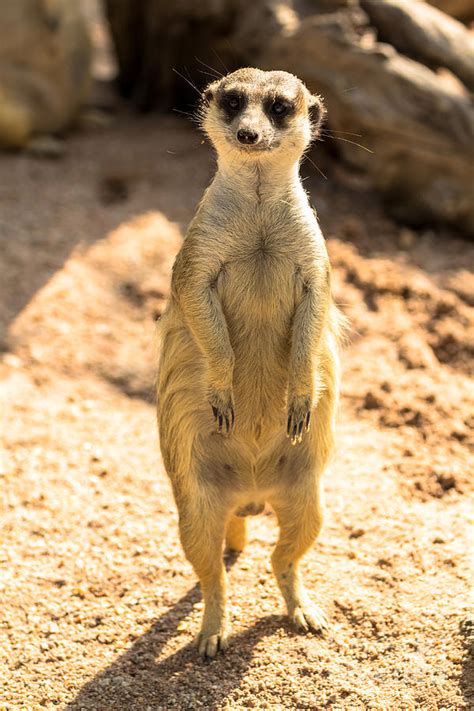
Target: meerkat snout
column 254, row 112
column 247, row 136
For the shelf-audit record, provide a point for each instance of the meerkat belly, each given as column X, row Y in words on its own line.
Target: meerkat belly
column 257, row 294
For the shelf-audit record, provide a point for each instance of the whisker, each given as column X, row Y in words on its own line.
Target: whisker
column 347, row 133
column 394, row 133
column 420, row 140
column 193, row 86
column 191, row 79
column 306, row 157
column 184, row 113
column 208, row 74
column 188, row 115
column 220, row 60
column 354, row 143
column 218, row 74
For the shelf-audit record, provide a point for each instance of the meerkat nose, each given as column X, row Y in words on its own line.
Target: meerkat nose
column 247, row 135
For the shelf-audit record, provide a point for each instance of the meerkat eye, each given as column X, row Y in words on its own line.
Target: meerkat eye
column 278, row 108
column 233, row 102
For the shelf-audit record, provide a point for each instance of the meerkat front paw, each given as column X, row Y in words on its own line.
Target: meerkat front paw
column 299, row 417
column 222, row 404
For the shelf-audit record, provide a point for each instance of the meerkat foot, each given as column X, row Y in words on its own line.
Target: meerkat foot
column 210, row 642
column 308, row 617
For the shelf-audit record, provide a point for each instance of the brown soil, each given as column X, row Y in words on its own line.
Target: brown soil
column 99, row 606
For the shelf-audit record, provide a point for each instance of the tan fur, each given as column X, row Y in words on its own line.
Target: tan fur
column 251, row 328
column 44, row 68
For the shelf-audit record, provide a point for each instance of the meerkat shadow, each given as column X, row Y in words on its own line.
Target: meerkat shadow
column 136, row 679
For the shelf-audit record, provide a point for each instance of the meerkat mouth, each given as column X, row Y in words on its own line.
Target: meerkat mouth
column 255, row 148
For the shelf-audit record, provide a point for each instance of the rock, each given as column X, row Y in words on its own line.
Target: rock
column 425, row 34
column 461, row 9
column 446, row 481
column 419, row 132
column 416, row 126
column 371, row 401
column 356, row 533
column 44, row 69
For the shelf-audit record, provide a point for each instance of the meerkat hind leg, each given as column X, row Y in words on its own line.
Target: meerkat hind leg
column 202, row 536
column 299, row 516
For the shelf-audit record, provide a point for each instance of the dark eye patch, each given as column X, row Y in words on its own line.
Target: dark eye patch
column 278, row 109
column 232, row 102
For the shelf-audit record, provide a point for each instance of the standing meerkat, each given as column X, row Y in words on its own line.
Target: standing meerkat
column 248, row 376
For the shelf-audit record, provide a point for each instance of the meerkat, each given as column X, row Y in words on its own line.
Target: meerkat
column 248, row 376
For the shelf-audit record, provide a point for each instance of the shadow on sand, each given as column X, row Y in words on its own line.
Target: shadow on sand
column 135, row 680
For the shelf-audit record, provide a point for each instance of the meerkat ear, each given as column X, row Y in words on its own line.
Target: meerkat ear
column 209, row 92
column 317, row 110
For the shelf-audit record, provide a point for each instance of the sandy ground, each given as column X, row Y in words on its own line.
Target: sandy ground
column 98, row 604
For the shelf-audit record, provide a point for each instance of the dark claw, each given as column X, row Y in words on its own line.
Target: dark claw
column 288, row 426
column 308, row 418
column 300, row 428
column 220, row 417
column 293, row 436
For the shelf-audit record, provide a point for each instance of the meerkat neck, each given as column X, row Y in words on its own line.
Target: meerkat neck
column 262, row 179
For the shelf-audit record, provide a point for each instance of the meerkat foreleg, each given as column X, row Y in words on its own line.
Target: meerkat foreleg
column 308, row 323
column 197, row 296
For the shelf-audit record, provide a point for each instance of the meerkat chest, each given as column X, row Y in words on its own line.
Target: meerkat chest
column 259, row 275
column 266, row 240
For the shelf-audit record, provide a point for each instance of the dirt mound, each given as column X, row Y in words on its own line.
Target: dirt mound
column 420, row 385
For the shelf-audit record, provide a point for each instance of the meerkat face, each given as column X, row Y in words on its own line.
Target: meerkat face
column 256, row 114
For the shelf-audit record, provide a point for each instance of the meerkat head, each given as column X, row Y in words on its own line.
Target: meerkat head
column 256, row 115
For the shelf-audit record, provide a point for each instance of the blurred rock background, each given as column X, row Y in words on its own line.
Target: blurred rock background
column 397, row 77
